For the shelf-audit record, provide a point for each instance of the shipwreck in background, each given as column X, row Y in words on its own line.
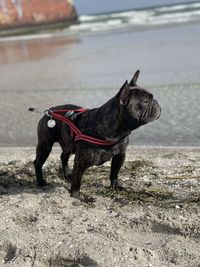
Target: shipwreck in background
column 28, row 15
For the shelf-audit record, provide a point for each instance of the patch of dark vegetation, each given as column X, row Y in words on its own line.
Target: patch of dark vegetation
column 195, row 198
column 18, row 174
column 166, row 229
column 7, row 251
column 83, row 260
column 129, row 195
column 136, row 165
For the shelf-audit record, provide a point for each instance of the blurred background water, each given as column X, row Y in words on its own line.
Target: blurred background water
column 86, row 64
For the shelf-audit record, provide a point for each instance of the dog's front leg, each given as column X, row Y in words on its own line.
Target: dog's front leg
column 67, row 172
column 80, row 165
column 116, row 164
column 77, row 174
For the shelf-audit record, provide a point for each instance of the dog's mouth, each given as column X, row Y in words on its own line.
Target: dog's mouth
column 158, row 109
column 158, row 115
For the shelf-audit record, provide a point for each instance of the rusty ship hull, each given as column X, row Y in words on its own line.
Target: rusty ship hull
column 33, row 14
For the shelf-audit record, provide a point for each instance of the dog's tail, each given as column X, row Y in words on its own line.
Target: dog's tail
column 35, row 110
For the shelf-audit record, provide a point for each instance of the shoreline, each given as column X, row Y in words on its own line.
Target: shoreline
column 12, row 153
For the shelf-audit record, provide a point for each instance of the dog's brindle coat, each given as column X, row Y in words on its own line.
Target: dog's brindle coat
column 132, row 107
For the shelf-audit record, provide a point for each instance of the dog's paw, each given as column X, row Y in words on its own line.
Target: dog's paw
column 115, row 185
column 75, row 194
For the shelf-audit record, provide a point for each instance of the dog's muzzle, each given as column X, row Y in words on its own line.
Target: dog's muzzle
column 157, row 107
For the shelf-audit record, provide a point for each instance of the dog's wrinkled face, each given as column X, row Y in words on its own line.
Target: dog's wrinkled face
column 139, row 105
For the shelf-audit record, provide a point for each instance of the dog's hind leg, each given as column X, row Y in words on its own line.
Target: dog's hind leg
column 42, row 152
column 66, row 152
column 67, row 172
column 116, row 164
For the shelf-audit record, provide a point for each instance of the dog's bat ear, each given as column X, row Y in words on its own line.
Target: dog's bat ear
column 123, row 94
column 133, row 82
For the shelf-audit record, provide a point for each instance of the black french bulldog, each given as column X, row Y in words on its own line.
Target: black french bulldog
column 131, row 108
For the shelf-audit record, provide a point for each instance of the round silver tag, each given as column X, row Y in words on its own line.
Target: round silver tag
column 51, row 123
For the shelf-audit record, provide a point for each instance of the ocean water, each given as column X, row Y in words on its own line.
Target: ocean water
column 153, row 16
column 86, row 64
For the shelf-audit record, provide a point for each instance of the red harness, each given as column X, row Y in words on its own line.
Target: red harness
column 75, row 132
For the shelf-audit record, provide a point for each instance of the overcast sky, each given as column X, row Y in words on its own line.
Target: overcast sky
column 100, row 6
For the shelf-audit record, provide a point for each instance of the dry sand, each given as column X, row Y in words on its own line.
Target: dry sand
column 154, row 221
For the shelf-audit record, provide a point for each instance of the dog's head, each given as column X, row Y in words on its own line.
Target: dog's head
column 139, row 105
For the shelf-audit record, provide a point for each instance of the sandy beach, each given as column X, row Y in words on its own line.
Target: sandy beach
column 154, row 221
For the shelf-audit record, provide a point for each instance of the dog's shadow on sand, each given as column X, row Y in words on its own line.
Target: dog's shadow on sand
column 17, row 177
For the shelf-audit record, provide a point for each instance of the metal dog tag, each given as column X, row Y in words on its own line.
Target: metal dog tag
column 51, row 123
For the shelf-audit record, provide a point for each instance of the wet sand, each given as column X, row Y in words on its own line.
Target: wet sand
column 89, row 69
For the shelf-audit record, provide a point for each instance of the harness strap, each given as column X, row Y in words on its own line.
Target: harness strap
column 75, row 132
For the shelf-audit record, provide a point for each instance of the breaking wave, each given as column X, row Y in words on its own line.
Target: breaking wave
column 173, row 14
